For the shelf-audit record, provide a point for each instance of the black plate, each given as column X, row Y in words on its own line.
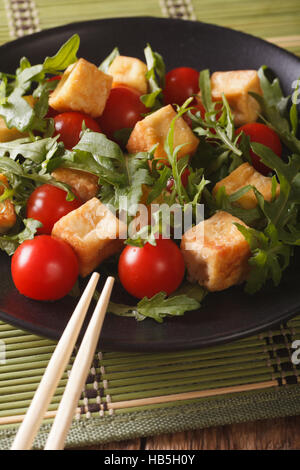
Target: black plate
column 227, row 315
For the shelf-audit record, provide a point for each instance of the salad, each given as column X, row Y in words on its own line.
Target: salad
column 181, row 183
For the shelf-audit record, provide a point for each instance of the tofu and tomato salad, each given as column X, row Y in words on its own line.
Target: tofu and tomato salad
column 76, row 138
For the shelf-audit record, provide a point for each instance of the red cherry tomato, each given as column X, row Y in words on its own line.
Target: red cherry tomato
column 123, row 109
column 184, row 180
column 181, row 83
column 151, row 269
column 48, row 204
column 45, row 268
column 264, row 135
column 69, row 125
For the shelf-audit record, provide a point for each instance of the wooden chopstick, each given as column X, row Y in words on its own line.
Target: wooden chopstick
column 55, row 369
column 79, row 372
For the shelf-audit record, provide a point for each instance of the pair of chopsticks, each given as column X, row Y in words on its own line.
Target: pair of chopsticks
column 56, row 367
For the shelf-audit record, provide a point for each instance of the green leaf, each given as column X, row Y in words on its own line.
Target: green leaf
column 10, row 243
column 157, row 308
column 156, row 79
column 205, row 88
column 66, row 56
column 294, row 110
column 160, row 306
column 159, row 185
column 269, row 259
column 27, row 75
column 272, row 90
column 100, row 146
column 104, row 66
column 17, row 112
column 138, row 175
column 36, row 151
column 274, row 108
column 3, row 85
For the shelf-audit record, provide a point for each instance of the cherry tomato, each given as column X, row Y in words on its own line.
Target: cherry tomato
column 264, row 135
column 151, row 269
column 45, row 268
column 48, row 204
column 181, row 83
column 123, row 109
column 184, row 180
column 69, row 125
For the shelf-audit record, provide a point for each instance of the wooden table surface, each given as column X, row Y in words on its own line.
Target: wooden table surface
column 275, row 434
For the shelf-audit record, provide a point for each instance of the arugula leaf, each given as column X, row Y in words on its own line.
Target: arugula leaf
column 26, row 74
column 104, row 66
column 159, row 186
column 100, row 146
column 269, row 259
column 157, row 308
column 118, row 177
column 220, row 150
column 156, row 79
column 293, row 110
column 36, row 151
column 205, row 88
column 272, row 248
column 138, row 175
column 3, row 85
column 17, row 112
column 274, row 108
column 65, row 56
column 177, row 166
column 14, row 108
column 10, row 243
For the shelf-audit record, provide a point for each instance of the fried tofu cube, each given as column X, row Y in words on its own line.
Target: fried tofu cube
column 216, row 253
column 83, row 87
column 83, row 183
column 129, row 71
column 6, row 134
column 7, row 210
column 235, row 85
column 93, row 232
column 242, row 176
column 154, row 128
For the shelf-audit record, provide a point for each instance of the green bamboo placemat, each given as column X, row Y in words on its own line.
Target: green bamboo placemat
column 130, row 395
column 134, row 395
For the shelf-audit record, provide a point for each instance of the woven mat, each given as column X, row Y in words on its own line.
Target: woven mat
column 136, row 395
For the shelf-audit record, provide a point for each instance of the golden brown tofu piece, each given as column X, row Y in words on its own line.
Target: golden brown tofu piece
column 153, row 129
column 93, row 232
column 216, row 253
column 129, row 71
column 242, row 176
column 7, row 210
column 235, row 85
column 6, row 134
column 83, row 183
column 83, row 87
